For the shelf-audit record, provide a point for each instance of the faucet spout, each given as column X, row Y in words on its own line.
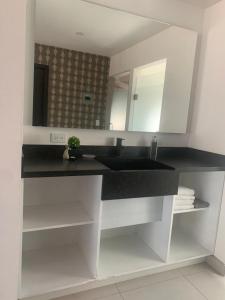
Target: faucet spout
column 119, row 145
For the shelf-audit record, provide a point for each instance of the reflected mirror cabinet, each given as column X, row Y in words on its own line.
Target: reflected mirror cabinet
column 101, row 68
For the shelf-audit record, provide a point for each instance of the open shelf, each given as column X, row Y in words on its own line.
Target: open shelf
column 128, row 212
column 53, row 269
column 199, row 205
column 184, row 247
column 42, row 217
column 125, row 254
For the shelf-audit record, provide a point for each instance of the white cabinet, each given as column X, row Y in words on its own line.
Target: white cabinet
column 220, row 242
column 55, row 259
column 60, row 233
column 72, row 239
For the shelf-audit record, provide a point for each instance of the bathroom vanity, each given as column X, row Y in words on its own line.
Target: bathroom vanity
column 86, row 225
column 93, row 222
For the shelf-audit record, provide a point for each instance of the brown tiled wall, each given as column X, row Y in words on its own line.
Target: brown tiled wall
column 73, row 74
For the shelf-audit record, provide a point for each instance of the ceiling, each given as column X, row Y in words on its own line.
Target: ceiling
column 201, row 3
column 83, row 26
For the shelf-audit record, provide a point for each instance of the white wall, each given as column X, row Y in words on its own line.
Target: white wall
column 12, row 71
column 178, row 46
column 208, row 120
column 208, row 123
column 37, row 135
column 220, row 242
column 175, row 12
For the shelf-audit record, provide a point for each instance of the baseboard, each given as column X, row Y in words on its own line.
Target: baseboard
column 216, row 265
column 104, row 282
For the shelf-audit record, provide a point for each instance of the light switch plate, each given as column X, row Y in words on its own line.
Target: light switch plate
column 57, row 138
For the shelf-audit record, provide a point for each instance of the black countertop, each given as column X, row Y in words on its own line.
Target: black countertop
column 192, row 165
column 46, row 161
column 191, row 160
column 55, row 168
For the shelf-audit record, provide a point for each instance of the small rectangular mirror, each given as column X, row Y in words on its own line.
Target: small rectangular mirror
column 101, row 68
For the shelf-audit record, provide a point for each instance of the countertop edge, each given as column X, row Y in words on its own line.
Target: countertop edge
column 182, row 159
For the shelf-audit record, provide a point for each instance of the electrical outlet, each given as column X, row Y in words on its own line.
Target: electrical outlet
column 57, row 138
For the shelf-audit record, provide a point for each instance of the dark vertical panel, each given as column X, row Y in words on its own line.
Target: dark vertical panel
column 40, row 95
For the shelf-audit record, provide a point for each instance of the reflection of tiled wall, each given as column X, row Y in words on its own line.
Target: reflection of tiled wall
column 73, row 74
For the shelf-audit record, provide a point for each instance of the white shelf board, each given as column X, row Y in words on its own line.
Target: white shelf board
column 199, row 206
column 183, row 247
column 42, row 217
column 53, row 269
column 125, row 254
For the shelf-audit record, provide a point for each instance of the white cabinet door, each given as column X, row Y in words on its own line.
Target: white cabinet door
column 220, row 242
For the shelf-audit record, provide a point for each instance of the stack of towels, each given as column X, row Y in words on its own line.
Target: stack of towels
column 185, row 199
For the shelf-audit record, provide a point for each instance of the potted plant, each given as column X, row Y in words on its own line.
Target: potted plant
column 73, row 147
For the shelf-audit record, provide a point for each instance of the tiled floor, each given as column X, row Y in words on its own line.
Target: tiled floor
column 197, row 282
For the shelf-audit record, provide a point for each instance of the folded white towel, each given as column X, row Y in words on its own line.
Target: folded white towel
column 184, row 191
column 183, row 198
column 184, row 207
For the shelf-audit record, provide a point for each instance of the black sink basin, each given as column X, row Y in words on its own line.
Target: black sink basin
column 136, row 178
column 120, row 163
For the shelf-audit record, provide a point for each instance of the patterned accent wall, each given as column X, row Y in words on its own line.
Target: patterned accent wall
column 78, row 85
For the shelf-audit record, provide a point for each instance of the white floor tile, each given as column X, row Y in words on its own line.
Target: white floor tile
column 190, row 270
column 147, row 280
column 211, row 285
column 195, row 282
column 114, row 297
column 176, row 289
column 99, row 293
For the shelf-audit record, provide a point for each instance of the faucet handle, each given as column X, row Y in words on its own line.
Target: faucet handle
column 119, row 141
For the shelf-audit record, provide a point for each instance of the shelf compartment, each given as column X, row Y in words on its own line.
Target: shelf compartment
column 44, row 216
column 53, row 269
column 132, row 211
column 125, row 254
column 184, row 247
column 199, row 205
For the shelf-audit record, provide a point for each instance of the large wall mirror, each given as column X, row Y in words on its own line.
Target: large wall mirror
column 100, row 68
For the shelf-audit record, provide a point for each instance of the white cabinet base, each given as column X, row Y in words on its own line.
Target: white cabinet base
column 69, row 247
column 91, row 284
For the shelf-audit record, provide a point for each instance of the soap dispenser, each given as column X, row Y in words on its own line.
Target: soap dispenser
column 154, row 148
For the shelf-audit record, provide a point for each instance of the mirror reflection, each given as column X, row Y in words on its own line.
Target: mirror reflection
column 100, row 68
column 148, row 86
column 118, row 94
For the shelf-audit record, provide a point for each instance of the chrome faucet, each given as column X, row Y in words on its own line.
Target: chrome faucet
column 153, row 149
column 119, row 145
